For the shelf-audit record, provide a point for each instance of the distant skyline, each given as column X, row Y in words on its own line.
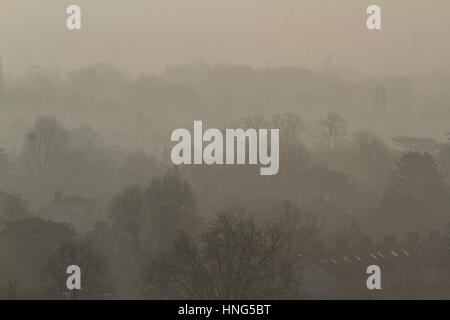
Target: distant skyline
column 146, row 36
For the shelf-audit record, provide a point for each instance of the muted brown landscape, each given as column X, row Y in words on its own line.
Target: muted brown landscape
column 86, row 176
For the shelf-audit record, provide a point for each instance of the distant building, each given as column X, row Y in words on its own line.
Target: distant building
column 412, row 269
column 78, row 212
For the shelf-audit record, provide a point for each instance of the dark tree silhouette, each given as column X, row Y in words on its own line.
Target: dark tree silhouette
column 96, row 279
column 128, row 214
column 13, row 291
column 417, row 198
column 12, row 207
column 234, row 258
column 417, row 176
column 25, row 245
column 151, row 217
column 172, row 206
column 44, row 144
column 333, row 129
column 293, row 153
column 374, row 155
column 34, row 238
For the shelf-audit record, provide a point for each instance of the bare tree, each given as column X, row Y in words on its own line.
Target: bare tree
column 12, row 291
column 291, row 125
column 96, row 279
column 235, row 258
column 298, row 227
column 172, row 207
column 128, row 214
column 417, row 176
column 374, row 155
column 151, row 217
column 44, row 144
column 333, row 128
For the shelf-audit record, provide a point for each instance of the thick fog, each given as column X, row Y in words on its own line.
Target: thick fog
column 146, row 36
column 87, row 170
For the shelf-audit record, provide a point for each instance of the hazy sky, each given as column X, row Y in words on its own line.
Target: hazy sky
column 147, row 35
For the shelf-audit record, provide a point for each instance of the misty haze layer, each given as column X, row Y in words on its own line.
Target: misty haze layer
column 360, row 176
